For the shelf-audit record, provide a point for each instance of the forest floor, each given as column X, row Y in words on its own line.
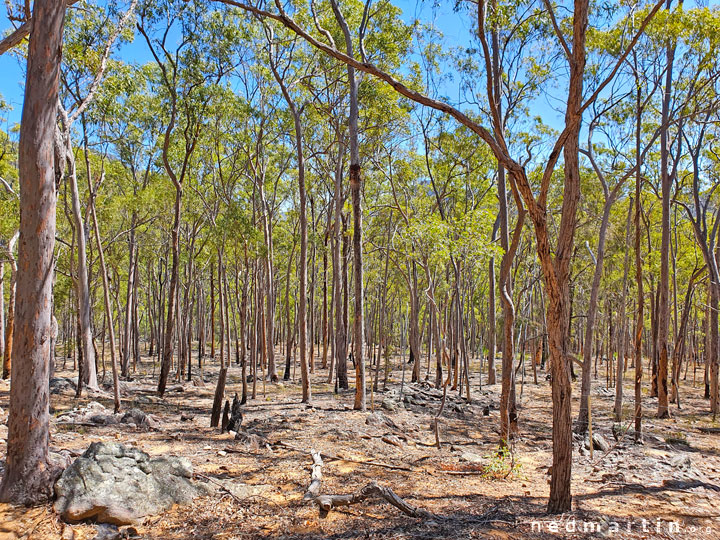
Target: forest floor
column 667, row 487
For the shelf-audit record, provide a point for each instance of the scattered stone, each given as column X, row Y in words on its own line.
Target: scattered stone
column 67, row 533
column 86, row 414
column 254, row 440
column 61, row 459
column 379, row 419
column 389, row 405
column 62, row 385
column 599, row 443
column 107, row 532
column 392, row 439
column 471, row 457
column 139, row 418
column 103, row 419
column 682, row 462
column 117, row 484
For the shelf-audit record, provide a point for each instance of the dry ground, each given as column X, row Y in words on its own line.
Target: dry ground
column 668, row 487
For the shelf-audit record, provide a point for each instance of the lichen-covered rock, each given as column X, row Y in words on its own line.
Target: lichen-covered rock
column 139, row 418
column 93, row 412
column 112, row 483
column 61, row 385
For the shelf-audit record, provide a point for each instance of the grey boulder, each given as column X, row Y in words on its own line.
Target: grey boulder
column 112, row 483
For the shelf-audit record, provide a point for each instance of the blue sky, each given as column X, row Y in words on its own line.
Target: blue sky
column 12, row 78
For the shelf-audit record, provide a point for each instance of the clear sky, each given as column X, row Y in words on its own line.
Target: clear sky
column 12, row 77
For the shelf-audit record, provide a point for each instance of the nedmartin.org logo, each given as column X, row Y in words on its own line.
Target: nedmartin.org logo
column 610, row 527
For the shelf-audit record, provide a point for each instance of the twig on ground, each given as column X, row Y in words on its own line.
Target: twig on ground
column 328, row 502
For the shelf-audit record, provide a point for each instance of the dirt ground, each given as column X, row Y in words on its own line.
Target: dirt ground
column 668, row 487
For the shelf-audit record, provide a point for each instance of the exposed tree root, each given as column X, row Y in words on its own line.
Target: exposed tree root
column 328, row 502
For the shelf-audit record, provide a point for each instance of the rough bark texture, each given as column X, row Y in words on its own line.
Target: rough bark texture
column 29, row 475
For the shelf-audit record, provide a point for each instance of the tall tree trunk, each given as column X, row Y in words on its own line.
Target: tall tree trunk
column 29, row 476
column 169, row 341
column 492, row 324
column 2, row 309
column 413, row 322
column 220, row 388
column 81, row 282
column 665, row 176
column 640, row 316
column 622, row 346
column 339, row 277
column 10, row 327
column 557, row 274
column 599, row 259
column 356, row 195
column 302, row 309
column 126, row 347
column 104, row 273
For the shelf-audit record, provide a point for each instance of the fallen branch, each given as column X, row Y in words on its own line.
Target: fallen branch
column 328, row 502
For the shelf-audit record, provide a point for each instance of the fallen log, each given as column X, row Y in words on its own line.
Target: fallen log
column 326, row 503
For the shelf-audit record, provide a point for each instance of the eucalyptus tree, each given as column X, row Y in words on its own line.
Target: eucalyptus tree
column 554, row 263
column 667, row 172
column 503, row 40
column 29, row 474
column 703, row 213
column 82, row 77
column 127, row 117
column 9, row 208
column 9, row 234
column 267, row 161
column 187, row 78
column 697, row 79
column 280, row 68
column 329, row 145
